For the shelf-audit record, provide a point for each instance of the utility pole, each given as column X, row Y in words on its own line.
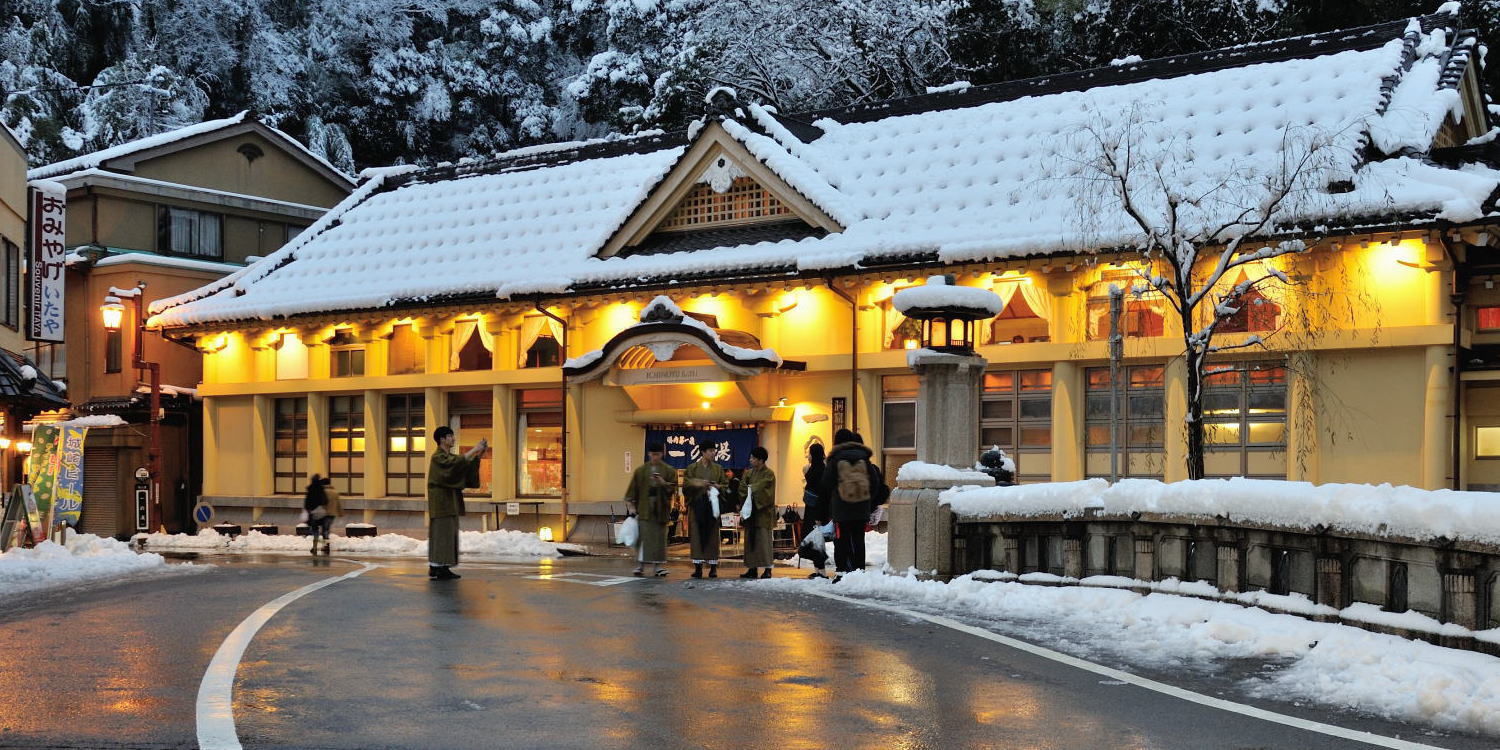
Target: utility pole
column 1116, row 351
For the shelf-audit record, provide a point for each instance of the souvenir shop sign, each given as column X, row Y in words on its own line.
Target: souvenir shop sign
column 44, row 309
column 684, row 445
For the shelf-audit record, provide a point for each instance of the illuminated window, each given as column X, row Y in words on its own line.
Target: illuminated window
column 471, row 347
column 540, row 426
column 1015, row 415
column 1487, row 442
column 346, row 355
column 1256, row 313
column 346, row 444
column 1018, row 323
column 406, row 445
column 471, row 417
column 291, row 469
column 1141, row 416
column 1487, row 318
column 407, row 352
column 544, row 352
column 1244, row 413
column 1143, row 315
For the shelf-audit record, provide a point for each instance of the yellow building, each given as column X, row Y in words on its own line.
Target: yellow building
column 452, row 295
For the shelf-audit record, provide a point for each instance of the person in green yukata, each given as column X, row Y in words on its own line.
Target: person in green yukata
column 759, row 484
column 649, row 497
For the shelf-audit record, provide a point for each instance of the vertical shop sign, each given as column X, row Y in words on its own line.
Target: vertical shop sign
column 41, row 469
column 44, row 309
column 840, row 411
column 67, row 496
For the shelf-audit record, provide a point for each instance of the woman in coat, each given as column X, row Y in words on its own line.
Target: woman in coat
column 814, row 504
column 760, row 485
column 445, row 501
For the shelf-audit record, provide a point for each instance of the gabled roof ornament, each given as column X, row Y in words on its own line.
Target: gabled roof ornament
column 724, row 103
column 661, row 310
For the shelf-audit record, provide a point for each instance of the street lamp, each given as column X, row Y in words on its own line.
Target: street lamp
column 113, row 314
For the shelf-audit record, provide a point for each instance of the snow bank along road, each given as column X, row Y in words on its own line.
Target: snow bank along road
column 574, row 654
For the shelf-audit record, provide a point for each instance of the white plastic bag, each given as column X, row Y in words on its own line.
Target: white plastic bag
column 629, row 533
column 814, row 537
column 713, row 500
column 747, row 507
column 302, row 517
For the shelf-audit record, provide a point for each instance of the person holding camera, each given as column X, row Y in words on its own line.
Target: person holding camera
column 649, row 497
column 446, row 478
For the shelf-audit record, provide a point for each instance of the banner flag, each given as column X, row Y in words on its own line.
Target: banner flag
column 67, row 498
column 41, row 470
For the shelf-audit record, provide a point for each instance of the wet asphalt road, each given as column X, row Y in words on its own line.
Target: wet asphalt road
column 528, row 656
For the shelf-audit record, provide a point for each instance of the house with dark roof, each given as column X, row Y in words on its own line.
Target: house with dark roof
column 508, row 297
column 173, row 211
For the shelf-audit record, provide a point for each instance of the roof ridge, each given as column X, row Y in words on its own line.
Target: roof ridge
column 1220, row 58
column 1271, row 50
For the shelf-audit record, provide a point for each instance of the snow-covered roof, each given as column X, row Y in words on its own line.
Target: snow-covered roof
column 969, row 174
column 102, row 157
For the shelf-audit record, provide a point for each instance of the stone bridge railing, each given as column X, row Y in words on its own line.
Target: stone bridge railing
column 1443, row 590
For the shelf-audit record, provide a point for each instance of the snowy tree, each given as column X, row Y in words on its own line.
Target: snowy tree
column 1203, row 234
column 811, row 54
column 137, row 98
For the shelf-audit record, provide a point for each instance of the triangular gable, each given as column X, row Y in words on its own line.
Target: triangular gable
column 124, row 157
column 718, row 158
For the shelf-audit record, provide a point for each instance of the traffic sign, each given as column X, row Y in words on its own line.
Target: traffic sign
column 203, row 513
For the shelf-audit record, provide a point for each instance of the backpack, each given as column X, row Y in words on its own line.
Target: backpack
column 853, row 480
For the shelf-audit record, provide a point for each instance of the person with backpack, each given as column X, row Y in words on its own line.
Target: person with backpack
column 854, row 488
column 321, row 505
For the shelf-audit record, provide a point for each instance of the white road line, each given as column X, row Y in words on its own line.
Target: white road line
column 1160, row 687
column 216, row 693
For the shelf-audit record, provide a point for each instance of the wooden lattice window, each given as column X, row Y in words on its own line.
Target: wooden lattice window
column 745, row 202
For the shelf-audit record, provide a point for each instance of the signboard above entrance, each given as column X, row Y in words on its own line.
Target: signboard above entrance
column 684, row 445
column 669, row 375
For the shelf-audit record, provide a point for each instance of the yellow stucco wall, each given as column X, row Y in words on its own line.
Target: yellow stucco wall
column 1367, row 331
column 218, row 166
column 12, row 214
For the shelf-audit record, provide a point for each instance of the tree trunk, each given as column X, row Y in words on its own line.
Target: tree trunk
column 1195, row 427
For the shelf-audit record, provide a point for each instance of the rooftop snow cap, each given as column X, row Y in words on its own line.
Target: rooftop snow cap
column 974, row 176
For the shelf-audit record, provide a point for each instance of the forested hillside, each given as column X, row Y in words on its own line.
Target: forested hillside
column 370, row 82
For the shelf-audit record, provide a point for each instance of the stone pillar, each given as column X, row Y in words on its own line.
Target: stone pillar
column 948, row 408
column 211, row 454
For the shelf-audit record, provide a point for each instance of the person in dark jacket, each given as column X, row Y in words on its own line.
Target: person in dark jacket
column 814, row 505
column 850, row 512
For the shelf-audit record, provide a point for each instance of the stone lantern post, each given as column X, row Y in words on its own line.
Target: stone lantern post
column 951, row 375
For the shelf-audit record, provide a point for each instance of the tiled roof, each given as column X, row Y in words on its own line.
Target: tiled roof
column 981, row 174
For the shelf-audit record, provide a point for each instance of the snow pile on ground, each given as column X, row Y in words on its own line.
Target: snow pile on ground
column 82, row 558
column 1325, row 662
column 502, row 543
column 1369, row 509
column 917, row 471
